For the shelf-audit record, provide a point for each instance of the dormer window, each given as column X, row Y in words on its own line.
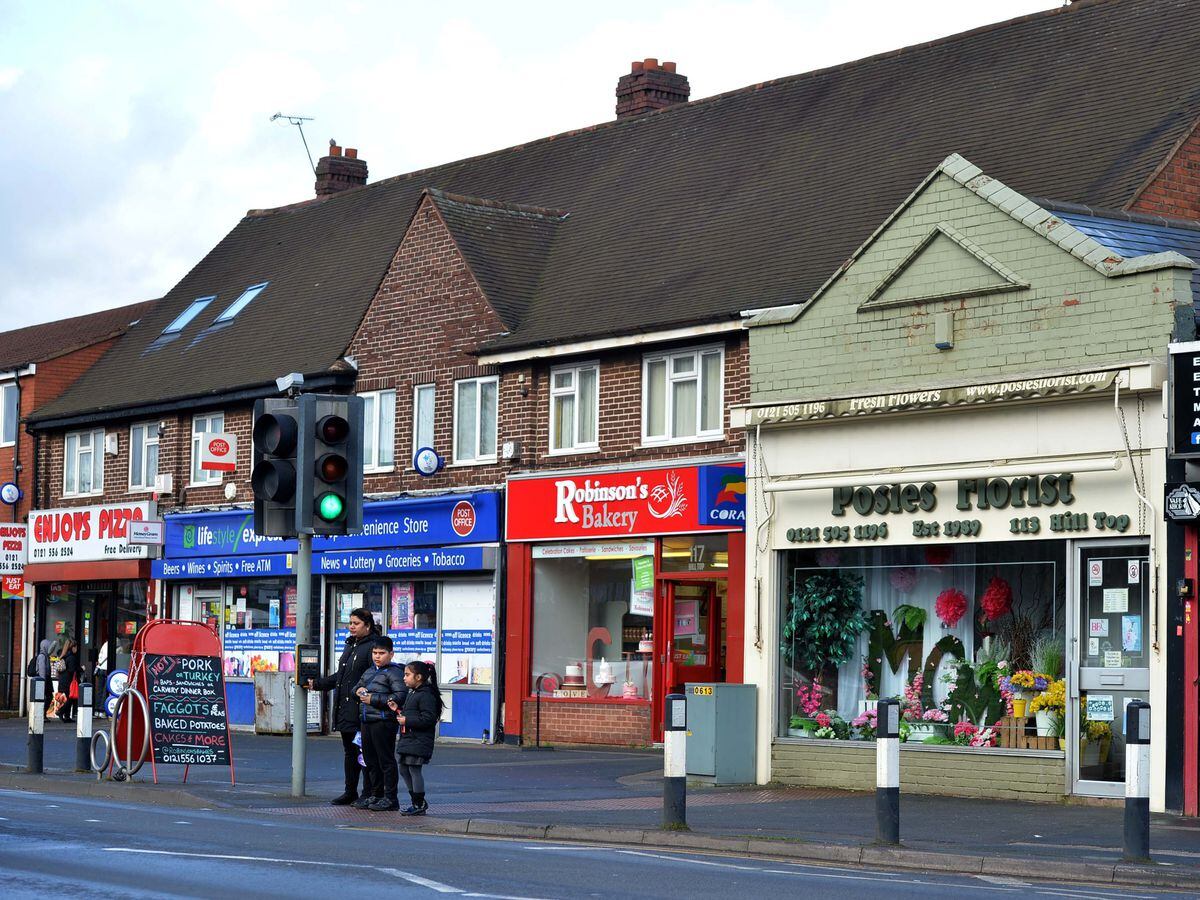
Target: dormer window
column 240, row 303
column 194, row 309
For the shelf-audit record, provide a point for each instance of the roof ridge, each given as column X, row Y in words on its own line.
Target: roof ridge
column 544, row 212
column 1101, row 212
column 633, row 121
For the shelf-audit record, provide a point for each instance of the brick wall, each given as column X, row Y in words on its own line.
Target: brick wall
column 567, row 722
column 1175, row 189
column 987, row 774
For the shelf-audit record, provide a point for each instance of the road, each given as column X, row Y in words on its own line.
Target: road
column 55, row 845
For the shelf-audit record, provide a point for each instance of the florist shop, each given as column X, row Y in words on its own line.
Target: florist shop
column 990, row 564
column 622, row 586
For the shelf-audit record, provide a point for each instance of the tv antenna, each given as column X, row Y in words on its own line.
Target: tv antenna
column 299, row 121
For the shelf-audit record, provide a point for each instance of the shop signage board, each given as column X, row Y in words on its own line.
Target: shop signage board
column 14, row 548
column 1182, row 503
column 218, row 452
column 266, row 566
column 426, row 521
column 147, row 531
column 1183, row 409
column 1035, row 507
column 587, row 505
column 436, row 559
column 86, row 533
column 188, row 720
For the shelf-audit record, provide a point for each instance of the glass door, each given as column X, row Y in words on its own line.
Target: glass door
column 694, row 616
column 1110, row 661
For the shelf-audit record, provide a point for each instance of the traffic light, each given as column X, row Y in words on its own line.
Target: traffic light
column 329, row 485
column 273, row 478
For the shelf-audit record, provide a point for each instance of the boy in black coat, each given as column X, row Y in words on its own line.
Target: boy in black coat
column 380, row 685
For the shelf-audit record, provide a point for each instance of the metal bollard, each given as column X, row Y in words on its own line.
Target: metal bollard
column 675, row 763
column 37, row 724
column 83, row 729
column 887, row 772
column 1137, row 780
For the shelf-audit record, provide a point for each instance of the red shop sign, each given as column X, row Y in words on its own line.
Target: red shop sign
column 673, row 500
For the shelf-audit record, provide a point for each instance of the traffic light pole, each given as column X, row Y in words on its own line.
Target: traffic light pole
column 303, row 630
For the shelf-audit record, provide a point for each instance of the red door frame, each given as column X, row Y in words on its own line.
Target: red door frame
column 1191, row 675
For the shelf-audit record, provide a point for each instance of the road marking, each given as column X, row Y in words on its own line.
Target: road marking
column 93, row 820
column 181, row 822
column 1157, row 852
column 1091, row 893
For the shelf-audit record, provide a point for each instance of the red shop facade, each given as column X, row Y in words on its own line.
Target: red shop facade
column 622, row 586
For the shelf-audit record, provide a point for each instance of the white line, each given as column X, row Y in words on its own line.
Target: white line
column 423, row 882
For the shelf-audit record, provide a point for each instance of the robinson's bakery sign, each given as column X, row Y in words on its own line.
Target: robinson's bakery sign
column 671, row 500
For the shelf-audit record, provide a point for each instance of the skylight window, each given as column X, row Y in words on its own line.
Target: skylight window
column 194, row 309
column 240, row 303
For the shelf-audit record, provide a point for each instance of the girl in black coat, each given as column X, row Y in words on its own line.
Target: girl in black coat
column 418, row 719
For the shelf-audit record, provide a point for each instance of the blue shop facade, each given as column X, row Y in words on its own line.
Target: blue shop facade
column 427, row 567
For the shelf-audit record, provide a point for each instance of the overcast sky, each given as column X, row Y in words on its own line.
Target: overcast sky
column 135, row 134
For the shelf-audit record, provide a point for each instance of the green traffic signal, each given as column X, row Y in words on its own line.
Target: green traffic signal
column 330, row 507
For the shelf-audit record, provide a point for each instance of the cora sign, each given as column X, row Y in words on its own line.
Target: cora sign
column 671, row 500
column 84, row 533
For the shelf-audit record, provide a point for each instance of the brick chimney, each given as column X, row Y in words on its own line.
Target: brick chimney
column 336, row 172
column 648, row 87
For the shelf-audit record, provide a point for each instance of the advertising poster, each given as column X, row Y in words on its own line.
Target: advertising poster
column 468, row 610
column 403, row 600
column 686, row 617
column 1131, row 634
column 188, row 721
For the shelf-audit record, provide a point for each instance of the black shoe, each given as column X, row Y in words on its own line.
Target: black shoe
column 382, row 804
column 363, row 802
column 344, row 800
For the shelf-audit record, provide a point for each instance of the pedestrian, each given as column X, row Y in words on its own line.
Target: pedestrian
column 418, row 718
column 355, row 660
column 39, row 666
column 381, row 685
column 66, row 681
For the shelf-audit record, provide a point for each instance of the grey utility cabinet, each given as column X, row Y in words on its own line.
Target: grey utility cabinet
column 721, row 732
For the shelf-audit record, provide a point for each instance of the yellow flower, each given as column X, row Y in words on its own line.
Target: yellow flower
column 1052, row 699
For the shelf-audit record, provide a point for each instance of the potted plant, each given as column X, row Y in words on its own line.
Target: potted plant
column 1024, row 686
column 1049, row 654
column 866, row 724
column 800, row 726
column 831, row 726
column 1049, row 706
column 931, row 722
column 824, row 619
column 808, row 699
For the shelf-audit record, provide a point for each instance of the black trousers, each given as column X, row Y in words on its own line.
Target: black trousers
column 352, row 767
column 379, row 751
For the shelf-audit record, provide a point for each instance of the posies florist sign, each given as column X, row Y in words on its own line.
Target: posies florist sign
column 86, row 532
column 672, row 500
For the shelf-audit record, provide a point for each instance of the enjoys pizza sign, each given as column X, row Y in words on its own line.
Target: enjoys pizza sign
column 672, row 500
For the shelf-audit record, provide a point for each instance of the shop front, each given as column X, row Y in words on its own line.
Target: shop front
column 426, row 568
column 89, row 584
column 622, row 586
column 988, row 554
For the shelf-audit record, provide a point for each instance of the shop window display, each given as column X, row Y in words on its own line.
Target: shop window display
column 593, row 623
column 970, row 638
column 260, row 622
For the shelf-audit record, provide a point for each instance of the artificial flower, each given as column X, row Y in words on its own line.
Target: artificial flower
column 937, row 555
column 951, row 605
column 997, row 599
column 903, row 579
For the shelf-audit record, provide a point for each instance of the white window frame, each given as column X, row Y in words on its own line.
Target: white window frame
column 477, row 459
column 373, row 465
column 4, row 389
column 416, row 414
column 667, row 357
column 199, row 477
column 96, row 439
column 150, row 436
column 576, row 446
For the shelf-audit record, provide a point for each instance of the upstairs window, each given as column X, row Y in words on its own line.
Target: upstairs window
column 475, row 420
column 83, row 463
column 8, row 414
column 379, row 430
column 194, row 309
column 143, row 456
column 423, row 406
column 212, row 422
column 240, row 303
column 682, row 395
column 574, row 408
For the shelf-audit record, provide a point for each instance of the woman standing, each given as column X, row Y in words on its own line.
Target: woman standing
column 418, row 719
column 356, row 659
column 66, row 678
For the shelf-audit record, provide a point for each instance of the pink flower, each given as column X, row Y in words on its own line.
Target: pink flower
column 951, row 605
column 823, row 720
column 964, row 728
column 934, row 715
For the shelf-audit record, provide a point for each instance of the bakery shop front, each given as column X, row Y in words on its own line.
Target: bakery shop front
column 623, row 585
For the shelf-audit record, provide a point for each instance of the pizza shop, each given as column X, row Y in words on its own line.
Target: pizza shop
column 426, row 567
column 622, row 586
column 989, row 554
column 89, row 583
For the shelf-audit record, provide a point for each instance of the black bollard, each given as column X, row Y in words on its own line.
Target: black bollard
column 37, row 724
column 887, row 772
column 675, row 763
column 1137, row 781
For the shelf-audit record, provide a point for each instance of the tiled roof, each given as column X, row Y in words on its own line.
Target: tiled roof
column 36, row 343
column 690, row 214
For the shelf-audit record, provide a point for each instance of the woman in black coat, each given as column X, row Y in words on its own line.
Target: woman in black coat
column 356, row 659
column 418, row 719
column 70, row 668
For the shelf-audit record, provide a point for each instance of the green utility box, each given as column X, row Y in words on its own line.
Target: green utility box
column 721, row 734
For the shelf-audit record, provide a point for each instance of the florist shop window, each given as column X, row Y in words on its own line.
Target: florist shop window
column 970, row 638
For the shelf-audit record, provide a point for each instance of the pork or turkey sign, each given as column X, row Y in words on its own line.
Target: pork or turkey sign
column 218, row 452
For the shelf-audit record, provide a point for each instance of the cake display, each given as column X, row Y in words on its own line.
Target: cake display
column 629, row 691
column 574, row 677
column 603, row 673
column 646, row 645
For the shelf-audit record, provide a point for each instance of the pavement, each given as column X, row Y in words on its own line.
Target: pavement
column 614, row 797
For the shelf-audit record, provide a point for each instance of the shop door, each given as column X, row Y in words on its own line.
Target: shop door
column 1110, row 662
column 694, row 617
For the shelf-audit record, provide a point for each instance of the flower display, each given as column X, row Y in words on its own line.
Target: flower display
column 823, row 720
column 968, row 735
column 867, row 723
column 997, row 599
column 1054, row 698
column 964, row 730
column 809, row 696
column 934, row 715
column 903, row 579
column 910, row 706
column 950, row 606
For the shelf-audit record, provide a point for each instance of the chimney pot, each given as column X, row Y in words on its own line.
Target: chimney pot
column 650, row 63
column 335, row 150
column 648, row 87
column 668, row 67
column 636, row 67
column 351, row 153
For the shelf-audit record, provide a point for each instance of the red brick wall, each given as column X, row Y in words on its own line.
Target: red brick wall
column 569, row 722
column 1175, row 190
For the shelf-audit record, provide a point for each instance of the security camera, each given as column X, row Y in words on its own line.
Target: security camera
column 290, row 382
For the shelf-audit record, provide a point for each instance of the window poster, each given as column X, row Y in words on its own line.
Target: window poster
column 289, row 599
column 1100, row 707
column 468, row 626
column 403, row 601
column 687, row 617
column 1131, row 634
column 1116, row 600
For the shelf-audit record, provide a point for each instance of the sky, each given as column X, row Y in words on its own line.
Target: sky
column 134, row 135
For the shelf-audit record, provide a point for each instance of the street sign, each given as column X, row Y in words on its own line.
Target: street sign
column 218, row 451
